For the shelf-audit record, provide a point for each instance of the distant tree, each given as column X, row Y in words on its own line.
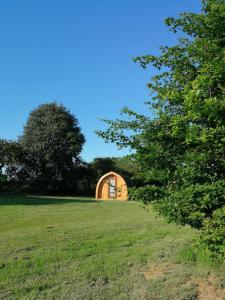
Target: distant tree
column 10, row 156
column 102, row 165
column 127, row 164
column 2, row 153
column 11, row 165
column 2, row 163
column 52, row 141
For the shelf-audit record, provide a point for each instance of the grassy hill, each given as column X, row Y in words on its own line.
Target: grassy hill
column 69, row 248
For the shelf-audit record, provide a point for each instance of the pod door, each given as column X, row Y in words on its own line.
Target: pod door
column 112, row 188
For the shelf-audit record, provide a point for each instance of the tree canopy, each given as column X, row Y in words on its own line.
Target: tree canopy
column 182, row 148
column 46, row 155
column 52, row 140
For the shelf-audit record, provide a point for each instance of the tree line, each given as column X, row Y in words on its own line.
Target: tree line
column 45, row 159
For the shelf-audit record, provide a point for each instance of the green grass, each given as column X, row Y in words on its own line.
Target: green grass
column 70, row 248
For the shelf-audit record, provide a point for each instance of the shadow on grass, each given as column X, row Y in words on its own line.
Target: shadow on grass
column 28, row 200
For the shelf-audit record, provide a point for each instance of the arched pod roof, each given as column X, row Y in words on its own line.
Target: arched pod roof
column 111, row 173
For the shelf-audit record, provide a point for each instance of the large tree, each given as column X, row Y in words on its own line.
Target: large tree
column 182, row 148
column 52, row 141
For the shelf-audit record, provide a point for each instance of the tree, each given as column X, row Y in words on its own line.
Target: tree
column 3, row 153
column 11, row 162
column 101, row 166
column 52, row 141
column 181, row 149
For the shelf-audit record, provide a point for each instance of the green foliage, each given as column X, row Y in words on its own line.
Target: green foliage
column 12, row 161
column 146, row 194
column 10, row 153
column 214, row 232
column 46, row 156
column 126, row 164
column 3, row 181
column 181, row 147
column 101, row 166
column 53, row 141
column 3, row 178
column 193, row 204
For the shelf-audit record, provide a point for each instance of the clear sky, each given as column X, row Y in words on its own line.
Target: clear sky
column 79, row 53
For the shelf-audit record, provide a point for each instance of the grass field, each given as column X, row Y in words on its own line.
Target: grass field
column 68, row 248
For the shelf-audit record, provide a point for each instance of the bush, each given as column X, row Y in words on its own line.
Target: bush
column 3, row 182
column 193, row 204
column 146, row 194
column 213, row 234
column 3, row 178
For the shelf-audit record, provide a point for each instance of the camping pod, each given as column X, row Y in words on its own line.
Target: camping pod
column 111, row 186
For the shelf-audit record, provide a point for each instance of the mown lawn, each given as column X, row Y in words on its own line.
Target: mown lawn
column 69, row 248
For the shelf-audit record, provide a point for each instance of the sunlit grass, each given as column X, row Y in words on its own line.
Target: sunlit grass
column 79, row 248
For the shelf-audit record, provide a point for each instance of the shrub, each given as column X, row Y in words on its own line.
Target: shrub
column 213, row 234
column 146, row 194
column 193, row 204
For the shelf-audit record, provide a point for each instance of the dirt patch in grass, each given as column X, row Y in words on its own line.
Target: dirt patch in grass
column 207, row 289
column 157, row 270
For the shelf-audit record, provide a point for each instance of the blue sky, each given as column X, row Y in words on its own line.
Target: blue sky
column 79, row 53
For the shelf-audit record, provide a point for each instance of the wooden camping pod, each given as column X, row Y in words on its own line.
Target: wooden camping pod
column 111, row 186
